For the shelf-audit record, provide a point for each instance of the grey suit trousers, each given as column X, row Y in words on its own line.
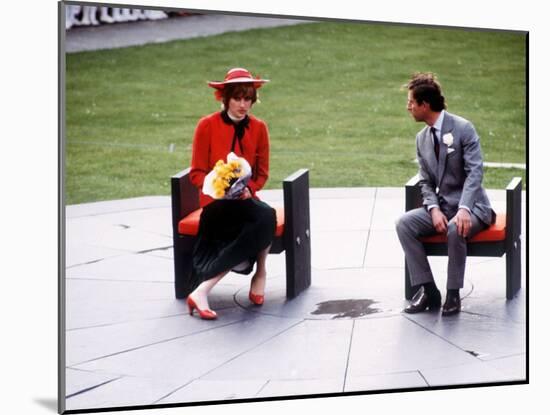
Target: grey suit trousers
column 417, row 223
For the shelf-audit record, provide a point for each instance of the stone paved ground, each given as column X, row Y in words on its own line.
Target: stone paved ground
column 130, row 342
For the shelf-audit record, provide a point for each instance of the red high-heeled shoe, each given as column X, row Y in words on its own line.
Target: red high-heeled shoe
column 256, row 299
column 205, row 314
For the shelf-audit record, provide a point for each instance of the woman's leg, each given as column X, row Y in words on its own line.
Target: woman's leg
column 200, row 294
column 257, row 285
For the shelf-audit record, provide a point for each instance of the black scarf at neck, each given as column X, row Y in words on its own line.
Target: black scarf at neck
column 239, row 127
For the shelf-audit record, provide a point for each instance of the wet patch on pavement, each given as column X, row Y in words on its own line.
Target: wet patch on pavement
column 347, row 308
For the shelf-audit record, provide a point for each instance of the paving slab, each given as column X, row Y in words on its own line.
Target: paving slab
column 386, row 213
column 513, row 367
column 214, row 390
column 342, row 193
column 92, row 302
column 468, row 374
column 276, row 265
column 299, row 353
column 95, row 231
column 384, row 250
column 191, row 357
column 97, row 342
column 127, row 267
column 78, row 381
column 155, row 220
column 78, row 253
column 394, row 344
column 489, row 279
column 288, row 387
column 482, row 336
column 123, row 392
column 111, row 206
column 402, row 380
column 395, row 194
column 496, row 307
column 338, row 249
column 344, row 214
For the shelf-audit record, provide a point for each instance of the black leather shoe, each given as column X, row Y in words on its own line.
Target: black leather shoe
column 422, row 301
column 452, row 305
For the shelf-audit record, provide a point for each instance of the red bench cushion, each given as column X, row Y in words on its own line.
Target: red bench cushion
column 189, row 225
column 495, row 232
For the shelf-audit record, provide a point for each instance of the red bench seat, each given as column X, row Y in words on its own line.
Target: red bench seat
column 495, row 232
column 189, row 225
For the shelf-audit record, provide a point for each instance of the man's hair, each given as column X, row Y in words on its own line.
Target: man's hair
column 238, row 91
column 426, row 88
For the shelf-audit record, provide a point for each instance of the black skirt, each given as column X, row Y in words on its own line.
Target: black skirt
column 231, row 234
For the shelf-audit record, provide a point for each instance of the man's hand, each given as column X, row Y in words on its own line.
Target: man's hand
column 439, row 220
column 463, row 222
column 246, row 194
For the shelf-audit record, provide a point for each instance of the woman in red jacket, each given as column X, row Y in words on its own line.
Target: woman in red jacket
column 233, row 234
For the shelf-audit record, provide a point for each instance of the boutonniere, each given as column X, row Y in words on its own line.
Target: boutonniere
column 448, row 139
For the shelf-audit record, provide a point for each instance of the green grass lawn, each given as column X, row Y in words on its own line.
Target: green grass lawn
column 335, row 103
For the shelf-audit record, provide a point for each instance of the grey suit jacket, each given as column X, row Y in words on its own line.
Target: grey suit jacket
column 456, row 180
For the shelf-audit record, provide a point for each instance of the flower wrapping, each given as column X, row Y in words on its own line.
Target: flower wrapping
column 227, row 180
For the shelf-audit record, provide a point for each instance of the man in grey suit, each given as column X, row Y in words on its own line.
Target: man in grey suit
column 454, row 201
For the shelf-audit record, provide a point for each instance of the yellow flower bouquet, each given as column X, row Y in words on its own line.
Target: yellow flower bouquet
column 227, row 180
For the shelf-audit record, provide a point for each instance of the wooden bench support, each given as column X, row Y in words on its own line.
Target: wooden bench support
column 295, row 240
column 510, row 245
column 513, row 237
column 297, row 237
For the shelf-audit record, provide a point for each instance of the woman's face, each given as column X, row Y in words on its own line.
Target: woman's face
column 239, row 106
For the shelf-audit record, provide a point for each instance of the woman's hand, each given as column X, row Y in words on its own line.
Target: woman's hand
column 246, row 194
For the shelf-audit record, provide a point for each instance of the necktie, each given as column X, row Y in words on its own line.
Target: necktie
column 436, row 144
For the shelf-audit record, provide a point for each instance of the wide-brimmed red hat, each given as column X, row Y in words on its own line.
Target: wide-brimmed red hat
column 238, row 75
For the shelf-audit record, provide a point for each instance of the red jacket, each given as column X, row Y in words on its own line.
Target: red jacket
column 212, row 142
